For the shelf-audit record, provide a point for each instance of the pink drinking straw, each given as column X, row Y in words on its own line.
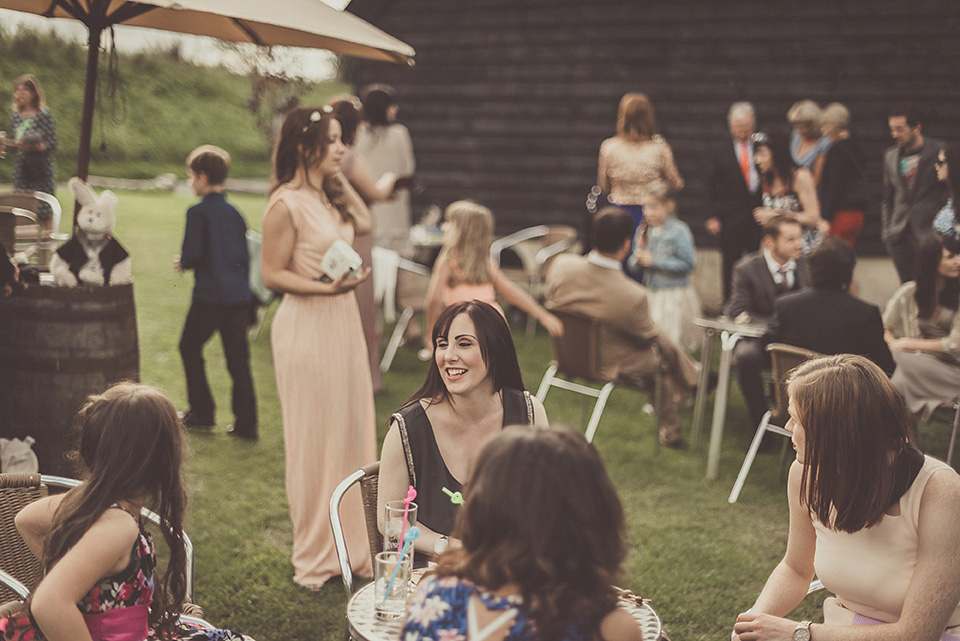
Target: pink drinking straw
column 411, row 494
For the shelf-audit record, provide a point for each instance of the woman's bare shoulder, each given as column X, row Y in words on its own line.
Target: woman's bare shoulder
column 619, row 625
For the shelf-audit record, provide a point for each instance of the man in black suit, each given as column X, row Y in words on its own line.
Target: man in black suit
column 735, row 191
column 758, row 279
column 826, row 318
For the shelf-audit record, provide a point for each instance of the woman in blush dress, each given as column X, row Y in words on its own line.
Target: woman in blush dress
column 636, row 159
column 319, row 354
column 373, row 189
column 388, row 148
column 870, row 515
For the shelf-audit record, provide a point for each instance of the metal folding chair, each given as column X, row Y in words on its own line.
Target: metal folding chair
column 413, row 279
column 784, row 358
column 368, row 477
column 576, row 356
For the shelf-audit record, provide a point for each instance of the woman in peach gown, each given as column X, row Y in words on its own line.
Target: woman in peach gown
column 319, row 353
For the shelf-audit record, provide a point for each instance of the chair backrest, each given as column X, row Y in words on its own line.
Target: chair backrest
column 13, row 220
column 368, row 478
column 16, row 492
column 785, row 358
column 413, row 280
column 577, row 350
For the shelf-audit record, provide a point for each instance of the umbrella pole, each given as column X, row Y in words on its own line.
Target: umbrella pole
column 89, row 100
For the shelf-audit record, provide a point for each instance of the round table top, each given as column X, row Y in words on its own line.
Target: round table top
column 365, row 626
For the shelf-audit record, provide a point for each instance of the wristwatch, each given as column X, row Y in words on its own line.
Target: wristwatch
column 441, row 545
column 802, row 632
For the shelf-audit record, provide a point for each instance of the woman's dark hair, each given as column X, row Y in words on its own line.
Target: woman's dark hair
column 496, row 348
column 932, row 289
column 348, row 110
column 130, row 442
column 952, row 154
column 541, row 512
column 377, row 99
column 855, row 424
column 783, row 165
column 303, row 144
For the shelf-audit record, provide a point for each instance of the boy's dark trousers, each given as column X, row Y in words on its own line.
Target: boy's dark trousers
column 231, row 321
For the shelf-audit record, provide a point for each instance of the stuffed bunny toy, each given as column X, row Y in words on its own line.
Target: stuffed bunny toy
column 92, row 256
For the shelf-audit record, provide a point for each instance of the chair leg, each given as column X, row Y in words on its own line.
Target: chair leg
column 545, row 382
column 657, row 407
column 395, row 339
column 598, row 411
column 748, row 460
column 953, row 433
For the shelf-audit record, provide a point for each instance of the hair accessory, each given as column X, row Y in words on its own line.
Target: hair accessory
column 455, row 497
column 316, row 115
column 760, row 138
column 411, row 537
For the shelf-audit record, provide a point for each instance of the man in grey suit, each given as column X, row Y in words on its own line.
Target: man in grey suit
column 631, row 346
column 758, row 279
column 912, row 195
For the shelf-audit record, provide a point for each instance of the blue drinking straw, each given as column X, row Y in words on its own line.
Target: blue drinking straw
column 407, row 542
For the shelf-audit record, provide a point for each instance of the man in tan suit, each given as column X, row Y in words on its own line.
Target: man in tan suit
column 596, row 287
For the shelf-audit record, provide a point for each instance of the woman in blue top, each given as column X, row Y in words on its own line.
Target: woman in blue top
column 33, row 134
column 542, row 536
column 808, row 145
column 664, row 251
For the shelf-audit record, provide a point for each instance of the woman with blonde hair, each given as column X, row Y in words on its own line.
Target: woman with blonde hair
column 464, row 270
column 636, row 159
column 808, row 146
column 870, row 515
column 843, row 189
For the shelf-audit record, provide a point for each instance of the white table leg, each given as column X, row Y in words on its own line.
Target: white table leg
column 727, row 343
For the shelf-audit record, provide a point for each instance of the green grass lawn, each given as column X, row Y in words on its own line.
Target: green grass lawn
column 699, row 560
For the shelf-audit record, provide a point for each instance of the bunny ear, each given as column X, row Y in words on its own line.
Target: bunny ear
column 108, row 200
column 83, row 192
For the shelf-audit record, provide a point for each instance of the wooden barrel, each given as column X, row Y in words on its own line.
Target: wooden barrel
column 58, row 346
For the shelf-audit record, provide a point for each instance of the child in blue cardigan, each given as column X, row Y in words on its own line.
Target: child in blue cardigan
column 665, row 253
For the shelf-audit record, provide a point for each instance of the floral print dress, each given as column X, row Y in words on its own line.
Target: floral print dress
column 118, row 607
column 440, row 611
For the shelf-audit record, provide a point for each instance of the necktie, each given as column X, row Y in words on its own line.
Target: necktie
column 784, row 285
column 745, row 163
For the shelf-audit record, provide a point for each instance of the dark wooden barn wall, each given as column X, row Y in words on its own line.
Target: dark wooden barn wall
column 510, row 99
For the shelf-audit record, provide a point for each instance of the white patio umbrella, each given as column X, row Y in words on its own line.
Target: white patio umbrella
column 295, row 23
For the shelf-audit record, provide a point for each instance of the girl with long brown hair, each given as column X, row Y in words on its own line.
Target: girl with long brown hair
column 98, row 559
column 320, row 356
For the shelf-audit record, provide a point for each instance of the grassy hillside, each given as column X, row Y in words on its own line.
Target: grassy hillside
column 171, row 107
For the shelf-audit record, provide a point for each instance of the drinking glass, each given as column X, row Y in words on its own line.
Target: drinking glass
column 391, row 575
column 393, row 522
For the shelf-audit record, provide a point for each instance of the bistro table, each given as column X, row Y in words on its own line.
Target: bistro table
column 364, row 625
column 730, row 334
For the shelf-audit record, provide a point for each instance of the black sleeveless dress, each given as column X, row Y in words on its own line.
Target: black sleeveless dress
column 426, row 468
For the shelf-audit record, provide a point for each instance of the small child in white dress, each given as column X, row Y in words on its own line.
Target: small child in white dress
column 665, row 253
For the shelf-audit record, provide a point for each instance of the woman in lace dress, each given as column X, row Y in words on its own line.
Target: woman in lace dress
column 636, row 159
